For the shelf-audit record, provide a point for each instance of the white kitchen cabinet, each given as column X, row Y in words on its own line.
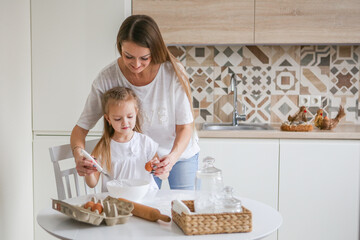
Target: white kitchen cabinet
column 71, row 42
column 250, row 166
column 44, row 178
column 319, row 189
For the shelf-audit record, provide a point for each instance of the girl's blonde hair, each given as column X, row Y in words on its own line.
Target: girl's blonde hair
column 114, row 96
column 143, row 31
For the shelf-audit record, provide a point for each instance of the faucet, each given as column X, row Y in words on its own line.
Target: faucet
column 236, row 116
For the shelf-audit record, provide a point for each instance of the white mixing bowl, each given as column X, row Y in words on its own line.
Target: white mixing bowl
column 130, row 189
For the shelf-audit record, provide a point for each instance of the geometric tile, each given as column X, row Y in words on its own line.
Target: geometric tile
column 227, row 108
column 179, row 52
column 256, row 56
column 223, row 106
column 344, row 79
column 221, row 81
column 344, row 54
column 204, row 115
column 202, row 87
column 257, row 108
column 255, row 80
column 351, row 109
column 223, row 96
column 286, row 81
column 200, row 56
column 200, row 77
column 270, row 79
column 228, row 55
column 344, row 70
column 282, row 106
column 349, row 104
column 315, row 56
column 285, row 56
column 314, row 80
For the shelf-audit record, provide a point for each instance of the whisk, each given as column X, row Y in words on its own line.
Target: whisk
column 98, row 167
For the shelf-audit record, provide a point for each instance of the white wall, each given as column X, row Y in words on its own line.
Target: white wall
column 16, row 202
column 71, row 42
column 41, row 44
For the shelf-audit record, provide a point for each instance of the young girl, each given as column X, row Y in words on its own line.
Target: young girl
column 123, row 150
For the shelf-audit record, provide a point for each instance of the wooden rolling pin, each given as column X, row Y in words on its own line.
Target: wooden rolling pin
column 146, row 212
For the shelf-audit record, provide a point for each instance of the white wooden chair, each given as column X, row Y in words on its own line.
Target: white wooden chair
column 63, row 152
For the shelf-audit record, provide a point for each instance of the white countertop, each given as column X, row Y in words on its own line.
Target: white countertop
column 342, row 131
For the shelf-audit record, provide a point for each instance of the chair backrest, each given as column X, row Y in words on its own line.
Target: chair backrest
column 63, row 152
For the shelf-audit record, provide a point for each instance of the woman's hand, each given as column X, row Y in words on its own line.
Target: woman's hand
column 153, row 165
column 183, row 135
column 83, row 165
column 165, row 165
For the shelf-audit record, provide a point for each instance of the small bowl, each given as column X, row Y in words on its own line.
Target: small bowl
column 130, row 189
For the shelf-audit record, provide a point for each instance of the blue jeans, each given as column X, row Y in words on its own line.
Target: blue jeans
column 182, row 175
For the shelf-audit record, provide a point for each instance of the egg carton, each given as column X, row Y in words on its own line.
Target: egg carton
column 115, row 211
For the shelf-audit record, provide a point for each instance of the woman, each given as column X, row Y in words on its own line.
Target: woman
column 159, row 80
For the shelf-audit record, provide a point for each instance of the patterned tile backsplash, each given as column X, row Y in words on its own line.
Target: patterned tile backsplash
column 270, row 80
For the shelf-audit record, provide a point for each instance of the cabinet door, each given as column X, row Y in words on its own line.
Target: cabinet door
column 71, row 42
column 302, row 21
column 319, row 189
column 250, row 166
column 201, row 21
column 44, row 178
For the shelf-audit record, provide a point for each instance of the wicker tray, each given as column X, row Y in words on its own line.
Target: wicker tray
column 198, row 224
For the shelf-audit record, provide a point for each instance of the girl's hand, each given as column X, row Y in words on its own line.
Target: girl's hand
column 83, row 165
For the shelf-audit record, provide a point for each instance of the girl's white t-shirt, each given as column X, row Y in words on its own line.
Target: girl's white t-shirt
column 164, row 104
column 128, row 159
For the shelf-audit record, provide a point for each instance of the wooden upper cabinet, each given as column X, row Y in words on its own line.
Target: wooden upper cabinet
column 304, row 21
column 201, row 21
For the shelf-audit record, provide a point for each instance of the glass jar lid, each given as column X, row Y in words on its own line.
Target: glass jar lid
column 208, row 166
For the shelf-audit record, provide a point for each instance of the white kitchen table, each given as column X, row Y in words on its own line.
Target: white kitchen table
column 265, row 221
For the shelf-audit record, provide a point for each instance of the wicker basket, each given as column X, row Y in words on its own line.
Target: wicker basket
column 198, row 224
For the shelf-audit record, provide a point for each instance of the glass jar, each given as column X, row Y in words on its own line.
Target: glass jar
column 208, row 185
column 229, row 203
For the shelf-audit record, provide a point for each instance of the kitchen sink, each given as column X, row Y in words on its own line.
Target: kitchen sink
column 239, row 127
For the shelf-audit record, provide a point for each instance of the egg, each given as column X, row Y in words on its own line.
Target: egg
column 148, row 167
column 97, row 206
column 89, row 204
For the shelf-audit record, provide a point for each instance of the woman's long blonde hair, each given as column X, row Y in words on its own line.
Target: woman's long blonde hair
column 114, row 96
column 143, row 31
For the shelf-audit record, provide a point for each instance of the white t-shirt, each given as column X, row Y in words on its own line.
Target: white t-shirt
column 164, row 105
column 128, row 159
